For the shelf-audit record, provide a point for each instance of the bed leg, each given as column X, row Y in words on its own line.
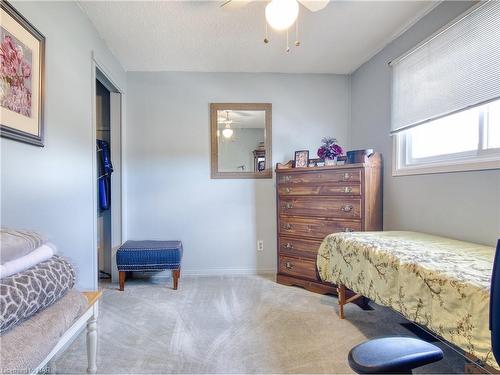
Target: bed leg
column 92, row 345
column 341, row 293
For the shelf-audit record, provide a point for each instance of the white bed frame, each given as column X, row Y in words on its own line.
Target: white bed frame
column 89, row 319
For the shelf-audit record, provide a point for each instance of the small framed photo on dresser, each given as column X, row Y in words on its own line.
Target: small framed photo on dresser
column 302, row 159
column 313, row 162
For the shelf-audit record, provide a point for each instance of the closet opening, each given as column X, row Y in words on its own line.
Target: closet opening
column 108, row 176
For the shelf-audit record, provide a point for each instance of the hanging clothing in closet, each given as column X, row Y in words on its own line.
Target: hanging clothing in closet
column 105, row 170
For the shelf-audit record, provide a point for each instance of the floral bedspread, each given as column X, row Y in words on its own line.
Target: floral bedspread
column 439, row 283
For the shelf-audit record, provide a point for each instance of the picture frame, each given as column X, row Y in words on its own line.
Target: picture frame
column 341, row 160
column 301, row 159
column 21, row 78
column 314, row 162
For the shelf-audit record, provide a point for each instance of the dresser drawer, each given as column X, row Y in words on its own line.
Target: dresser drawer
column 298, row 247
column 345, row 189
column 348, row 208
column 298, row 267
column 315, row 228
column 314, row 177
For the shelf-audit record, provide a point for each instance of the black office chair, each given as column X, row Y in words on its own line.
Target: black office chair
column 400, row 355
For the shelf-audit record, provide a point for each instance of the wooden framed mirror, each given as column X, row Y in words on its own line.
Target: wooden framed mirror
column 241, row 140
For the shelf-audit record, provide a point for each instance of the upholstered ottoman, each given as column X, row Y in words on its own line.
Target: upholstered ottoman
column 149, row 256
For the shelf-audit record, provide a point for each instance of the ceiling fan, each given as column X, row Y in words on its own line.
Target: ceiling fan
column 282, row 14
column 227, row 132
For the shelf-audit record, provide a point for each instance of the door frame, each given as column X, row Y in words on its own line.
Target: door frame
column 117, row 226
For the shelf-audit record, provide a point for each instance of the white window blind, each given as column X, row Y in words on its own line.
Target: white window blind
column 457, row 68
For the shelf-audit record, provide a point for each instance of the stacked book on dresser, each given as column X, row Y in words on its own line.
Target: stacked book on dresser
column 36, row 286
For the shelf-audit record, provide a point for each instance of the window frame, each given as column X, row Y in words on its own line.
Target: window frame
column 479, row 159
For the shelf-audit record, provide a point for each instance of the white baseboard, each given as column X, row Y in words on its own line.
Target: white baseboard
column 228, row 272
column 213, row 272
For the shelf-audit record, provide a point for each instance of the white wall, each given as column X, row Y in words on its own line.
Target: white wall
column 49, row 189
column 170, row 193
column 462, row 205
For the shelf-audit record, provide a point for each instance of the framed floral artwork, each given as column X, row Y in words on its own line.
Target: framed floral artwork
column 22, row 50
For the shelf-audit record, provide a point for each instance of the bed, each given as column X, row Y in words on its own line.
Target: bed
column 33, row 345
column 40, row 312
column 439, row 283
column 27, row 345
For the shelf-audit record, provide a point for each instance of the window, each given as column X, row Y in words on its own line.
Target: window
column 445, row 112
column 462, row 141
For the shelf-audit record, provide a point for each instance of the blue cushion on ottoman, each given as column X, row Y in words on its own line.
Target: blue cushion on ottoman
column 149, row 256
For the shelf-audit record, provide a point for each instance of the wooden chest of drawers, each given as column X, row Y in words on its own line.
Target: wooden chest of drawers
column 315, row 202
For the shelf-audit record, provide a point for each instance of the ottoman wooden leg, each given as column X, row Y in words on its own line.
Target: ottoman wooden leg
column 121, row 276
column 175, row 275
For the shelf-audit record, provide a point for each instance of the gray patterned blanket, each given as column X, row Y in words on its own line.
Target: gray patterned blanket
column 24, row 294
column 17, row 243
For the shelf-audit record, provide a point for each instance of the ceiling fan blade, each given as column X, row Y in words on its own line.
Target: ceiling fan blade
column 314, row 5
column 235, row 3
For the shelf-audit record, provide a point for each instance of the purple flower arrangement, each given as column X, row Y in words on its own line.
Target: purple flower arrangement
column 329, row 149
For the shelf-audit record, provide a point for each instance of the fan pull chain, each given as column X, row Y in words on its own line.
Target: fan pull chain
column 297, row 41
column 266, row 38
column 287, row 41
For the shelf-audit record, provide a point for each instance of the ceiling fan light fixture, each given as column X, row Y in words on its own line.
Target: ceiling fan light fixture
column 281, row 14
column 227, row 133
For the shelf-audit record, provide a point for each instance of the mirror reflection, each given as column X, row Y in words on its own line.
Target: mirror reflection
column 241, row 141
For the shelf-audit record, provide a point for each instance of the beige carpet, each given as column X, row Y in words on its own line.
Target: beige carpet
column 230, row 325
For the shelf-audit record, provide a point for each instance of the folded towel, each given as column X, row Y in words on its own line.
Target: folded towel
column 44, row 252
column 17, row 243
column 25, row 293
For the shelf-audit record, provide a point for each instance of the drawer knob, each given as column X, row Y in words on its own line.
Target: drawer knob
column 288, row 226
column 348, row 230
column 347, row 189
column 288, row 190
column 288, row 245
column 346, row 208
column 287, row 178
column 347, row 176
column 288, row 205
column 288, row 265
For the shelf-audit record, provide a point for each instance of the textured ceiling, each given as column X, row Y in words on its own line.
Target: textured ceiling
column 202, row 37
